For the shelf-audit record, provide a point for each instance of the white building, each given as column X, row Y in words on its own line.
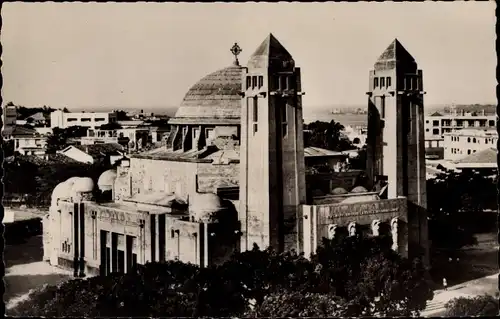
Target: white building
column 87, row 119
column 436, row 124
column 460, row 143
column 28, row 141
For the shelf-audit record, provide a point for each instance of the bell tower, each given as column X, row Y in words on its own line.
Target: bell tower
column 272, row 183
column 395, row 148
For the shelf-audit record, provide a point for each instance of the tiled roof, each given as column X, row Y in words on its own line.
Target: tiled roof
column 21, row 131
column 208, row 154
column 47, row 160
column 486, row 156
column 214, row 97
column 316, row 151
column 436, row 114
column 99, row 149
column 395, row 54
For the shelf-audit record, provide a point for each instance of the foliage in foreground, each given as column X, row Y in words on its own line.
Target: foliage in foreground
column 485, row 305
column 352, row 278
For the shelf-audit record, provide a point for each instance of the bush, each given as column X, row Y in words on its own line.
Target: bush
column 485, row 305
column 353, row 277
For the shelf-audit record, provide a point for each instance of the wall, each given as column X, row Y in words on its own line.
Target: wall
column 163, row 176
column 211, row 176
column 183, row 240
column 317, row 218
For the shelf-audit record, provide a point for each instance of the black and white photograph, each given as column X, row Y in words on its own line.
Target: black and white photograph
column 250, row 160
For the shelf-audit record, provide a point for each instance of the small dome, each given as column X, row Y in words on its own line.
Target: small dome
column 70, row 181
column 61, row 191
column 106, row 180
column 83, row 185
column 359, row 189
column 339, row 191
column 203, row 206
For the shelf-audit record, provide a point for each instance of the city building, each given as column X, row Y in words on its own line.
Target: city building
column 61, row 119
column 232, row 175
column 460, row 143
column 436, row 124
column 9, row 115
column 27, row 141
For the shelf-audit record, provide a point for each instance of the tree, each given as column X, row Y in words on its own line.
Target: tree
column 110, row 126
column 326, row 135
column 351, row 277
column 485, row 305
column 453, row 222
column 57, row 140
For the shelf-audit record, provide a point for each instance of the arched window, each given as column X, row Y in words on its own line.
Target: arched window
column 468, row 140
column 474, row 140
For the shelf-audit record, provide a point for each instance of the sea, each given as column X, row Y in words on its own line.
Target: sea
column 344, row 119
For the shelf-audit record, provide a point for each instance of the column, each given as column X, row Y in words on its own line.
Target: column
column 157, row 238
column 82, row 240
column 75, row 240
column 394, row 233
column 375, row 227
column 152, row 231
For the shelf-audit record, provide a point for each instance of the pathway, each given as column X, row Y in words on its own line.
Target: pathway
column 485, row 285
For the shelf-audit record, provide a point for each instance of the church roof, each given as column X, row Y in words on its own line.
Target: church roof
column 395, row 55
column 214, row 99
column 269, row 49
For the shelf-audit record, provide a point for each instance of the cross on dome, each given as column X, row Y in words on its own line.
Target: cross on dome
column 236, row 50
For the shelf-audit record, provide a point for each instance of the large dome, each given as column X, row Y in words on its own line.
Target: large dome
column 214, row 99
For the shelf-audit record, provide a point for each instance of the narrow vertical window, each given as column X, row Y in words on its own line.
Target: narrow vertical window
column 283, row 83
column 261, row 81
column 382, row 82
column 375, row 83
column 255, row 115
column 249, row 82
column 276, row 83
column 254, row 82
column 382, row 106
column 284, row 127
column 388, row 81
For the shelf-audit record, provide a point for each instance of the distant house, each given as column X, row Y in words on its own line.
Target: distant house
column 320, row 157
column 482, row 160
column 92, row 153
column 37, row 119
column 26, row 141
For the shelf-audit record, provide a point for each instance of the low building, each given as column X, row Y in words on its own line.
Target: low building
column 90, row 154
column 323, row 159
column 485, row 160
column 461, row 143
column 357, row 135
column 61, row 119
column 27, row 141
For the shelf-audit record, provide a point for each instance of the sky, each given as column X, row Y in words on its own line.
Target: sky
column 147, row 55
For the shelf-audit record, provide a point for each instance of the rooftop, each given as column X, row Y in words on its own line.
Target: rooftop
column 320, row 152
column 101, row 149
column 395, row 56
column 487, row 156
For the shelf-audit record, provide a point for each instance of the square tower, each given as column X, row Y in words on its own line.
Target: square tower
column 395, row 142
column 272, row 183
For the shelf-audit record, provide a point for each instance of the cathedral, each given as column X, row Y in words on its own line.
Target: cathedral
column 231, row 174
